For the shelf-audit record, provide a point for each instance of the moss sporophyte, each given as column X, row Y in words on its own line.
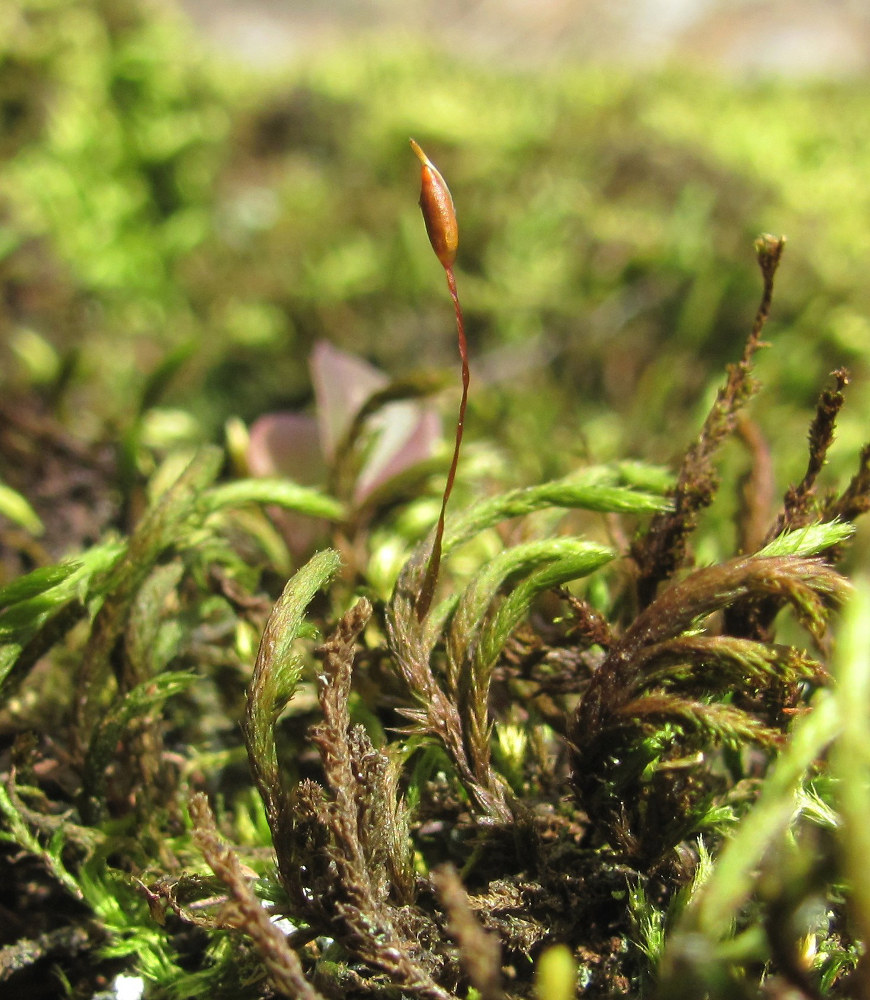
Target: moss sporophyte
column 439, row 215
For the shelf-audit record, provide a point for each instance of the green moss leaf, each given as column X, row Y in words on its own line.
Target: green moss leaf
column 575, row 559
column 280, row 492
column 595, row 489
column 17, row 509
column 809, row 541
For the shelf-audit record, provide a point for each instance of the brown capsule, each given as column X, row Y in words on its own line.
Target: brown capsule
column 436, row 203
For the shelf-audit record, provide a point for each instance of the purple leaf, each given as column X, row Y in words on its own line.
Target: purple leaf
column 286, row 444
column 342, row 383
column 407, row 434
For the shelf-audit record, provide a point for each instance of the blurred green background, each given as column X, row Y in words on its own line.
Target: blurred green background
column 168, row 198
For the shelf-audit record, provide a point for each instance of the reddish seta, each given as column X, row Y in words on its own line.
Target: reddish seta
column 439, row 215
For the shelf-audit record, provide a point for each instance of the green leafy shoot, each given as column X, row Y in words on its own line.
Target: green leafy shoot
column 171, row 513
column 596, row 489
column 56, row 594
column 716, row 908
column 278, row 492
column 274, row 681
column 128, row 716
column 812, row 540
column 20, row 833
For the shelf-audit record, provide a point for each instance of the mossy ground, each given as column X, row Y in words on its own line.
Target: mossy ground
column 618, row 723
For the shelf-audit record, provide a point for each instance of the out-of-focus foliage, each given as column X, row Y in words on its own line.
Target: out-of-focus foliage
column 152, row 197
column 113, row 128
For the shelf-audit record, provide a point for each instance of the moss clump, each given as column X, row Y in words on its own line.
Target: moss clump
column 618, row 753
column 582, row 755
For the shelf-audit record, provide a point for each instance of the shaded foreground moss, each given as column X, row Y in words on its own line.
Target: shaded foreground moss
column 601, row 746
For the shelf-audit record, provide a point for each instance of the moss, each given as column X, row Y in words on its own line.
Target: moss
column 239, row 757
